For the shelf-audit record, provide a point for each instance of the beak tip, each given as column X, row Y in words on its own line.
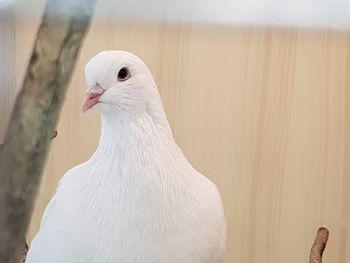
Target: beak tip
column 90, row 101
column 84, row 109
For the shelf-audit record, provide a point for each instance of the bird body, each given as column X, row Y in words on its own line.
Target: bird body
column 137, row 199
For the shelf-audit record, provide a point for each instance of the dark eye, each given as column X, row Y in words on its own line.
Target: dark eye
column 123, row 74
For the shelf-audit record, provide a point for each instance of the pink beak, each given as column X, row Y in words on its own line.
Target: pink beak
column 92, row 98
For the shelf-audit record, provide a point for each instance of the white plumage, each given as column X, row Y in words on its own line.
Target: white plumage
column 137, row 199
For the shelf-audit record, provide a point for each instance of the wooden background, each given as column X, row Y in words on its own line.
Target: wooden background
column 264, row 113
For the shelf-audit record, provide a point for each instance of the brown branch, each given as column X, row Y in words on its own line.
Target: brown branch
column 319, row 245
column 24, row 252
column 35, row 116
column 54, row 135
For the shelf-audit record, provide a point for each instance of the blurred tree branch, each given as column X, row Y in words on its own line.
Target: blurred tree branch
column 35, row 116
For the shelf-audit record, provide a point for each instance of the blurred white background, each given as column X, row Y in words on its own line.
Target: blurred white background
column 302, row 13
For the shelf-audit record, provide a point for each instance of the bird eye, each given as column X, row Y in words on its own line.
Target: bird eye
column 123, row 74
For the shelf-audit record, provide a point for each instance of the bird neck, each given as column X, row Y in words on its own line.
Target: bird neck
column 131, row 139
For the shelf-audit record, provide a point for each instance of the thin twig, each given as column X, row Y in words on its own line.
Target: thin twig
column 319, row 245
column 54, row 135
column 25, row 252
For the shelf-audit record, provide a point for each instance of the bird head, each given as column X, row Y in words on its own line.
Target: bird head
column 118, row 82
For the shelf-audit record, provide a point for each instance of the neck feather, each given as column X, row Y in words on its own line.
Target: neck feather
column 131, row 140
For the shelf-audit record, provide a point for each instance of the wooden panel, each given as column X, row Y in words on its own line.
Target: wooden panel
column 263, row 113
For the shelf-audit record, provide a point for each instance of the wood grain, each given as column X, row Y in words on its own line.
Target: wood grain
column 264, row 113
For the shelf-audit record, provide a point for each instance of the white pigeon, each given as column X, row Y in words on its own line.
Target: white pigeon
column 137, row 199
